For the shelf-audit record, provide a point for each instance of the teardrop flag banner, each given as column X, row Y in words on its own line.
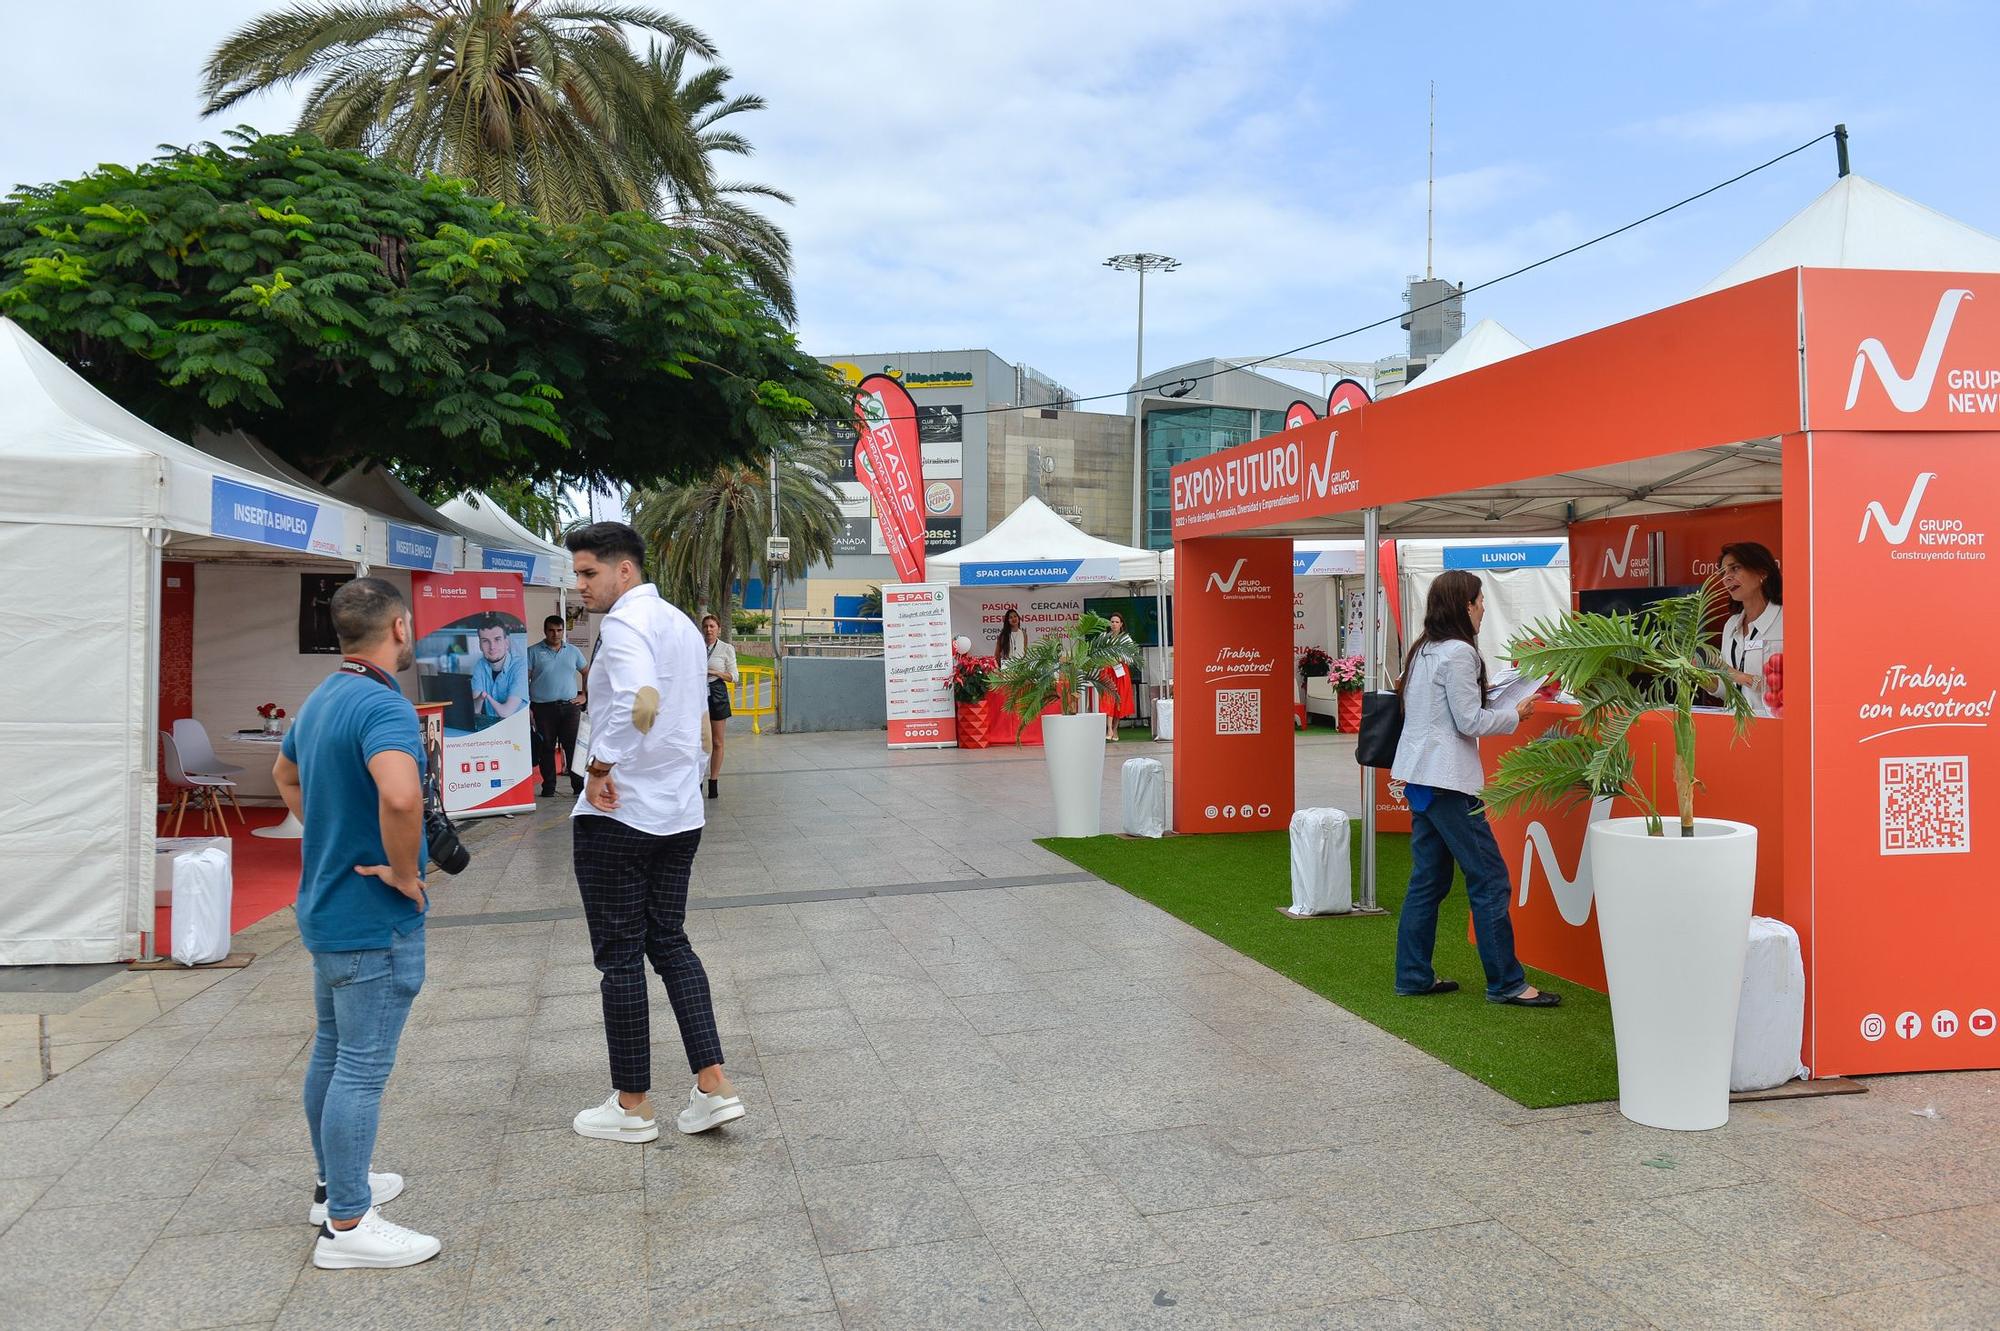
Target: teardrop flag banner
column 1300, row 413
column 888, row 460
column 1347, row 395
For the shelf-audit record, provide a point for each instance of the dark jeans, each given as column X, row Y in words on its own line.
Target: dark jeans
column 362, row 999
column 556, row 721
column 1454, row 830
column 635, row 891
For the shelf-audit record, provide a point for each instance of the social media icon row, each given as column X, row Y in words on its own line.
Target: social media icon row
column 1944, row 1024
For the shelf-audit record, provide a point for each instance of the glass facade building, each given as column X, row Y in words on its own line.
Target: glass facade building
column 1174, row 435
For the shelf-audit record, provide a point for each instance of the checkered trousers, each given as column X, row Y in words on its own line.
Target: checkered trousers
column 635, row 891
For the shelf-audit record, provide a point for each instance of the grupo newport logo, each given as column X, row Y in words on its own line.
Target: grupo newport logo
column 1573, row 892
column 1218, row 583
column 1912, row 392
column 1914, row 534
column 1622, row 563
column 1233, row 586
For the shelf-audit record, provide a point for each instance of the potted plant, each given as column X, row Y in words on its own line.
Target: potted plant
column 272, row 714
column 1314, row 663
column 1672, row 899
column 972, row 692
column 1347, row 674
column 1061, row 668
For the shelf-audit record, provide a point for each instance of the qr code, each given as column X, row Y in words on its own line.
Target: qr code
column 1926, row 806
column 1239, row 711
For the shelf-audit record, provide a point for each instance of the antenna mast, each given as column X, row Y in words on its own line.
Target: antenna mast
column 1430, row 188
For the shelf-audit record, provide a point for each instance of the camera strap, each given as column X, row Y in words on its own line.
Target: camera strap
column 357, row 667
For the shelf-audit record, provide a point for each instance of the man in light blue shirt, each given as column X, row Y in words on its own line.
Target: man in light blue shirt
column 499, row 677
column 556, row 697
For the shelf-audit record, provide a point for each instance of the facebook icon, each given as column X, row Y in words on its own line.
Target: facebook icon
column 1909, row 1025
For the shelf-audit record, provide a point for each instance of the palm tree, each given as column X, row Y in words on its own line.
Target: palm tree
column 541, row 103
column 721, row 218
column 704, row 533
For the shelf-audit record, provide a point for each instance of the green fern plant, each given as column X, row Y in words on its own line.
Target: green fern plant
column 1057, row 667
column 1618, row 667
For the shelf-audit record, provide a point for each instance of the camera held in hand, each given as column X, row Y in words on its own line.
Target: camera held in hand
column 441, row 836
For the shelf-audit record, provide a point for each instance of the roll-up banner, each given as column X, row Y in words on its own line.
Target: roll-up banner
column 916, row 666
column 472, row 656
column 888, row 459
column 1233, row 688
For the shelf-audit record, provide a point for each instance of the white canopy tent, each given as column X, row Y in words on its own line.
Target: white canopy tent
column 1857, row 223
column 1035, row 545
column 507, row 546
column 1486, row 343
column 90, row 496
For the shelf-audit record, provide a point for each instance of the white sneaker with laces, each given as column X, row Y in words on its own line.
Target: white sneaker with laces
column 612, row 1122
column 374, row 1242
column 382, row 1189
column 708, row 1111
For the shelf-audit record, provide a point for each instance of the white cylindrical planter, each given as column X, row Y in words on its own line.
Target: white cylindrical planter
column 1074, row 749
column 1674, row 914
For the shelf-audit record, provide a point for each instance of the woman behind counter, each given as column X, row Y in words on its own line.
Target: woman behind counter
column 1756, row 632
column 1437, row 759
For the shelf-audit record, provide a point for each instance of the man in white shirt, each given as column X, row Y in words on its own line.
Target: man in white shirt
column 635, row 830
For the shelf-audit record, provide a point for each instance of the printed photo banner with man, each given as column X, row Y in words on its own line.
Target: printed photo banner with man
column 472, row 645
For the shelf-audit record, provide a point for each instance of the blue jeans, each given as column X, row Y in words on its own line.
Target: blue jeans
column 362, row 998
column 1454, row 831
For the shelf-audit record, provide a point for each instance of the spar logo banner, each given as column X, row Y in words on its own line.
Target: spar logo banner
column 1233, row 686
column 472, row 657
column 916, row 666
column 888, row 460
column 1902, row 674
column 1902, row 351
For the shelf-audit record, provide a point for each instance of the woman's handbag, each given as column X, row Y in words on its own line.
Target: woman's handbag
column 1381, row 728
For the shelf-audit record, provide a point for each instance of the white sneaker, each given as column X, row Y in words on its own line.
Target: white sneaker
column 374, row 1242
column 382, row 1189
column 708, row 1111
column 612, row 1122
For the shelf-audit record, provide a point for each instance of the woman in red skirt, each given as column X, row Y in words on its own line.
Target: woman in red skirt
column 1114, row 692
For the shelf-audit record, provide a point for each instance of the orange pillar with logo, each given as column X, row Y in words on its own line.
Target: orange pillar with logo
column 1233, row 685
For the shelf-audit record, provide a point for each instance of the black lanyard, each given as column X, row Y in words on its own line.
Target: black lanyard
column 356, row 667
column 1736, row 656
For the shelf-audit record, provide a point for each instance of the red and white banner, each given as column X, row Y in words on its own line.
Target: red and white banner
column 888, row 460
column 472, row 656
column 1234, row 686
column 1300, row 413
column 916, row 666
column 1347, row 395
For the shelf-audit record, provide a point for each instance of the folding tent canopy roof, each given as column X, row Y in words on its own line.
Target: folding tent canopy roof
column 1487, row 343
column 70, row 455
column 1035, row 546
column 506, row 545
column 1859, row 224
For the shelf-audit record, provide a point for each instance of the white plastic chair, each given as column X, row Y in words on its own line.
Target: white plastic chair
column 197, row 752
column 195, row 788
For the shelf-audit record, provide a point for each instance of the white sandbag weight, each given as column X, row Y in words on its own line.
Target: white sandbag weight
column 1322, row 879
column 1145, row 789
column 1771, row 1018
column 202, row 893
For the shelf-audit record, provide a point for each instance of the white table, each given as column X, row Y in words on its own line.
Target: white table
column 291, row 829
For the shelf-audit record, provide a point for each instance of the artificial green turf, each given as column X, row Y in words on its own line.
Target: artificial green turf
column 1231, row 887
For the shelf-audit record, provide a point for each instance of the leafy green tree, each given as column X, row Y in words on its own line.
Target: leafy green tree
column 345, row 312
column 720, row 214
column 704, row 533
column 540, row 103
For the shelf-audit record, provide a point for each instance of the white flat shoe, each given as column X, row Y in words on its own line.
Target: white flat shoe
column 374, row 1243
column 708, row 1111
column 612, row 1122
column 382, row 1188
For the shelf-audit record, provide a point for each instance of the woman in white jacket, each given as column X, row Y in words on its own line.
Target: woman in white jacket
column 1437, row 760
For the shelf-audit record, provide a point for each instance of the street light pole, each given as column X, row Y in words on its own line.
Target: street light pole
column 1140, row 264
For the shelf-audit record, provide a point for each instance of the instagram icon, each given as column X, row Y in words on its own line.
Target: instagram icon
column 1873, row 1027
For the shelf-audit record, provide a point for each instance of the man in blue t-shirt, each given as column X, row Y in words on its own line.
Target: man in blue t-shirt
column 352, row 771
column 499, row 676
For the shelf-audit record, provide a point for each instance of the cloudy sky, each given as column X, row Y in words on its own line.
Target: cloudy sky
column 962, row 170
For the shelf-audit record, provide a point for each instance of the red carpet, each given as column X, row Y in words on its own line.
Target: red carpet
column 266, row 871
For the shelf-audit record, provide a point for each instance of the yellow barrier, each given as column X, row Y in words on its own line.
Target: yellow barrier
column 755, row 695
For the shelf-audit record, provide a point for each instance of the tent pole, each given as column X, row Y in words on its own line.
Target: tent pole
column 1371, row 678
column 149, row 780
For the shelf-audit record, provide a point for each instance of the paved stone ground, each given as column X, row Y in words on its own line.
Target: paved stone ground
column 1007, row 1096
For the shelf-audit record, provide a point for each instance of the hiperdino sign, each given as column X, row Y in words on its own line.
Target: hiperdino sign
column 910, row 379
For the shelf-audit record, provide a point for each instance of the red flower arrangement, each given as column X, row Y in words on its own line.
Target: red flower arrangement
column 971, row 677
column 270, row 711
